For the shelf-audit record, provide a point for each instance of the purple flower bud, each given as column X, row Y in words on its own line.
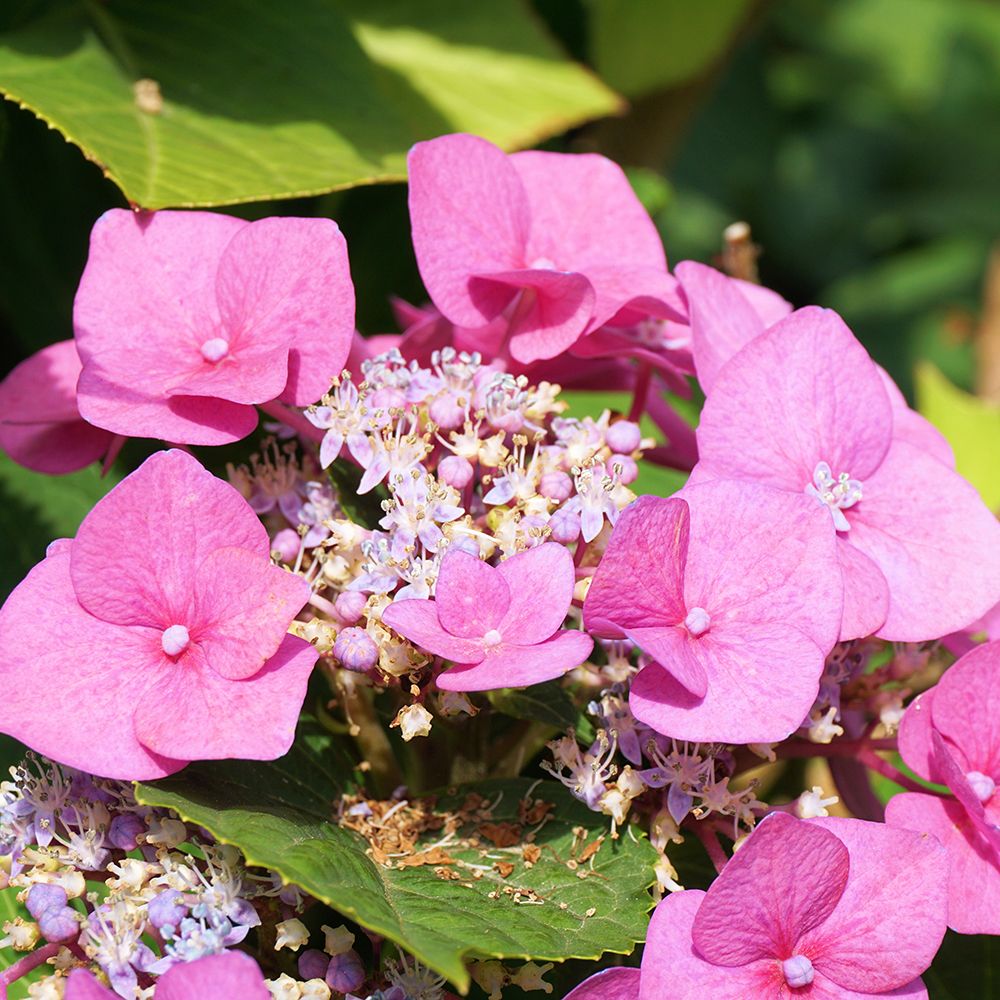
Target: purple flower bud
column 59, row 923
column 455, row 471
column 446, row 412
column 167, row 908
column 349, row 605
column 556, row 486
column 345, row 972
column 355, row 649
column 565, row 526
column 313, row 964
column 124, row 829
column 42, row 897
column 625, row 467
column 623, row 437
column 287, row 544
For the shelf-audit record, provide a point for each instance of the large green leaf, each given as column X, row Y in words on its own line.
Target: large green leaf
column 280, row 816
column 247, row 101
column 644, row 45
column 966, row 968
column 971, row 426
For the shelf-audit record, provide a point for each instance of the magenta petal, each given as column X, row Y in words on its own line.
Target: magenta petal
column 973, row 874
column 966, row 708
column 471, row 597
column 672, row 966
column 136, row 554
column 211, row 718
column 910, row 426
column 81, row 985
column 890, row 920
column 688, row 661
column 722, row 320
column 817, row 397
column 640, row 579
column 244, row 606
column 609, row 984
column 226, row 976
column 765, row 302
column 935, row 542
column 915, row 743
column 540, row 581
column 521, row 666
column 866, row 592
column 469, row 215
column 417, row 620
column 87, row 674
column 785, row 880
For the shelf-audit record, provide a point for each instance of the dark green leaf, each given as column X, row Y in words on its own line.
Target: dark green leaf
column 548, row 703
column 362, row 508
column 966, row 968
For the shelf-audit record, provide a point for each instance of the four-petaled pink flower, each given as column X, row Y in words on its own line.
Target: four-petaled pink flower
column 951, row 735
column 560, row 237
column 804, row 409
column 727, row 587
column 826, row 909
column 230, row 975
column 40, row 424
column 186, row 320
column 158, row 635
column 500, row 626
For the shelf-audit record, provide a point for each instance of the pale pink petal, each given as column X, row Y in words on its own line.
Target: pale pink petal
column 866, row 592
column 231, row 975
column 784, row 881
column 610, row 984
column 888, row 924
column 176, row 419
column 973, row 874
column 687, row 660
column 825, row 989
column 625, row 294
column 42, row 388
column 469, row 215
column 243, row 607
column 540, row 581
column 137, row 552
column 640, row 579
column 417, row 620
column 194, row 713
column 766, row 303
column 935, row 542
column 81, row 985
column 762, row 681
column 520, row 666
column 817, row 397
column 86, row 673
column 910, row 426
column 915, row 743
column 286, row 281
column 554, row 309
column 673, row 967
column 722, row 320
column 471, row 597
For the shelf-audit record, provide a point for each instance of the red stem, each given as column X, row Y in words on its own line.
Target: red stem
column 711, row 845
column 872, row 761
column 641, row 392
column 25, row 965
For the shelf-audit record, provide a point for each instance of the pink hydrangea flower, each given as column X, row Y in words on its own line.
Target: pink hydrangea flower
column 230, row 975
column 40, row 424
column 951, row 735
column 186, row 320
column 804, row 409
column 561, row 237
column 828, row 909
column 158, row 635
column 500, row 626
column 727, row 588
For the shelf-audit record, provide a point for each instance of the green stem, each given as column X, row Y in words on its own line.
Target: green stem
column 367, row 730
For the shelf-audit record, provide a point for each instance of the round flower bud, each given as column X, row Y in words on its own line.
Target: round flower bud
column 286, row 544
column 345, row 972
column 167, row 908
column 625, row 467
column 446, row 412
column 313, row 964
column 349, row 605
column 455, row 471
column 59, row 923
column 556, row 486
column 565, row 527
column 355, row 649
column 42, row 897
column 623, row 437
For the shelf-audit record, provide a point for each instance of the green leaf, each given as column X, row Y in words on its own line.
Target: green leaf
column 971, row 426
column 548, row 703
column 280, row 815
column 362, row 508
column 34, row 509
column 644, row 45
column 248, row 101
column 966, row 968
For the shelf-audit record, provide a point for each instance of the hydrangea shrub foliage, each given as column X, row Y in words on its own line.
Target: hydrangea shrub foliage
column 412, row 693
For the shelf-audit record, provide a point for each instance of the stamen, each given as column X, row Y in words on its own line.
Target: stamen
column 836, row 494
column 982, row 784
column 175, row 640
column 215, row 349
column 798, row 970
column 697, row 621
column 492, row 638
